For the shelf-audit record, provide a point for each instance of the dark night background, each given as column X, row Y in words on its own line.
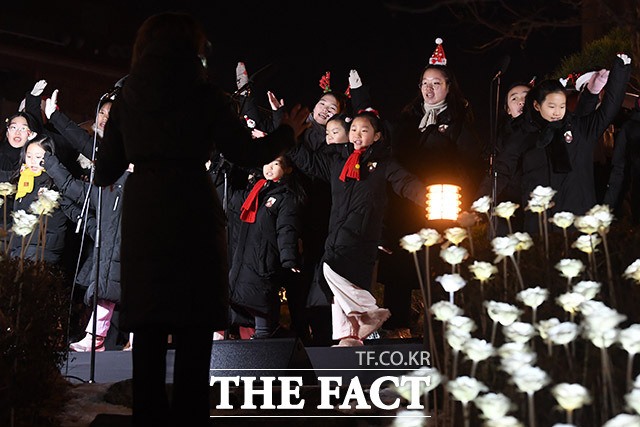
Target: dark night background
column 82, row 48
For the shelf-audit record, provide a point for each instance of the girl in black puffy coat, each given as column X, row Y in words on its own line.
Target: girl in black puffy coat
column 359, row 174
column 264, row 244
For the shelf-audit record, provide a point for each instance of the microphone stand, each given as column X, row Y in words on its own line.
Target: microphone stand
column 494, row 102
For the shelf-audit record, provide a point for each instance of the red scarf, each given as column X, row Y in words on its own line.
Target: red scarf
column 250, row 205
column 351, row 168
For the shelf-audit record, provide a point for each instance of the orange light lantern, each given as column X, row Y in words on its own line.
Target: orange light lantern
column 443, row 201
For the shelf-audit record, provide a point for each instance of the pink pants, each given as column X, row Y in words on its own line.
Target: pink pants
column 349, row 301
column 105, row 311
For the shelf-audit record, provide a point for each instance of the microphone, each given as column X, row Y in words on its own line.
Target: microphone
column 503, row 64
column 111, row 94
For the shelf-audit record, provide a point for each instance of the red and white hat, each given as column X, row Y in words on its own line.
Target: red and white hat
column 438, row 58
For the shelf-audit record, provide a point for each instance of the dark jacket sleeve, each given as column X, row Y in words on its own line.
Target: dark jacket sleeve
column 406, row 184
column 360, row 99
column 628, row 135
column 79, row 139
column 69, row 186
column 587, row 103
column 593, row 125
column 311, row 163
column 33, row 106
column 288, row 231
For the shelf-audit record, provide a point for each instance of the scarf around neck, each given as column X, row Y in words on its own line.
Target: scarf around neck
column 25, row 183
column 431, row 112
column 250, row 205
column 351, row 167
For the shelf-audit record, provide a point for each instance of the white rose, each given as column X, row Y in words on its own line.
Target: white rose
column 544, row 325
column 509, row 348
column 37, row 208
column 629, row 338
column 633, row 271
column 477, row 349
column 503, row 313
column 23, row 223
column 506, row 209
column 604, row 319
column 587, row 224
column 519, row 332
column 430, row 236
column 434, row 380
column 633, row 399
column 412, row 242
column 7, row 189
column 602, row 339
column 588, row 288
column 504, row 247
column 493, row 405
column 530, row 379
column 507, row 421
column 483, row 270
column 533, row 297
column 49, row 199
column 456, row 338
column 455, row 235
column 543, row 195
column 516, row 361
column 444, row 310
column 563, row 219
column 570, row 268
column 603, row 213
column 465, row 389
column 482, row 205
column 461, row 323
column 571, row 396
column 623, row 420
column 587, row 243
column 535, row 206
column 524, row 241
column 451, row 282
column 454, row 254
column 570, row 301
column 407, row 418
column 588, row 307
column 563, row 333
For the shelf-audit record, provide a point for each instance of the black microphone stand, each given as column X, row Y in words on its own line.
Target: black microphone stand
column 494, row 102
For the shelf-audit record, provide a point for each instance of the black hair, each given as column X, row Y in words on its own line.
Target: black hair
column 506, row 94
column 540, row 92
column 44, row 142
column 343, row 119
column 457, row 105
column 32, row 123
column 341, row 100
column 375, row 121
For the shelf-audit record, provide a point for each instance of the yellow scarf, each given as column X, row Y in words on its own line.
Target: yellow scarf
column 25, row 184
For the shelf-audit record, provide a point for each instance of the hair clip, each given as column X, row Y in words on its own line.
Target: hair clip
column 370, row 110
column 31, row 135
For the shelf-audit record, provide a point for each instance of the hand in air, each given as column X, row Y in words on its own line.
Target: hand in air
column 242, row 78
column 354, row 79
column 273, row 100
column 51, row 104
column 597, row 81
column 625, row 58
column 296, row 118
column 38, row 88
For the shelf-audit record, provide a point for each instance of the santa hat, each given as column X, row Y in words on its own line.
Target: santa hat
column 438, row 57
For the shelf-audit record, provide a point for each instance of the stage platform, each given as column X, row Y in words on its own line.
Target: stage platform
column 274, row 357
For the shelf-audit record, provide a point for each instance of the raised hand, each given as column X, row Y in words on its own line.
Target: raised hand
column 38, row 88
column 242, row 78
column 625, row 58
column 273, row 100
column 296, row 118
column 51, row 104
column 597, row 81
column 354, row 79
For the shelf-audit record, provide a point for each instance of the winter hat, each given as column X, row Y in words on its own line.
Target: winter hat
column 438, row 58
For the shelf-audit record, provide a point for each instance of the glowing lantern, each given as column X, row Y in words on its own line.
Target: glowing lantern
column 443, row 201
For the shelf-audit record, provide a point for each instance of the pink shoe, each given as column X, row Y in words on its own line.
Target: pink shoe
column 85, row 344
column 371, row 321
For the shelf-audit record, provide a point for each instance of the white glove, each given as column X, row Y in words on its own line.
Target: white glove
column 625, row 58
column 23, row 105
column 597, row 81
column 51, row 104
column 354, row 79
column 242, row 78
column 38, row 87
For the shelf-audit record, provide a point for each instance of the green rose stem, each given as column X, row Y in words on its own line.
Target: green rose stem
column 465, row 412
column 6, row 250
column 504, row 280
column 473, row 254
column 520, row 281
column 569, row 357
column 491, row 229
column 23, row 252
column 426, row 300
column 493, row 331
column 546, row 233
column 540, row 225
column 612, row 293
column 532, row 418
column 40, row 225
column 44, row 236
column 509, row 225
column 566, row 241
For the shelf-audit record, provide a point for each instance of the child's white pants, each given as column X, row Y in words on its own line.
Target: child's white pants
column 349, row 301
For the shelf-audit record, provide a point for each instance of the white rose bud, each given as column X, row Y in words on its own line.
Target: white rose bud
column 493, row 405
column 23, row 223
column 430, row 236
column 571, row 396
column 455, row 235
column 503, row 313
column 570, row 268
column 563, row 219
column 461, row 323
column 543, row 195
column 587, row 243
column 587, row 224
column 524, row 241
column 507, row 421
column 588, row 288
column 465, row 389
column 504, row 247
column 563, row 333
column 506, row 209
column 451, row 282
column 477, row 349
column 509, row 348
column 633, row 399
column 454, row 254
column 444, row 310
column 519, row 332
column 530, row 379
column 456, row 338
column 633, row 271
column 570, row 301
column 412, row 242
column 603, row 213
column 623, row 420
column 544, row 325
column 482, row 205
column 483, row 270
column 467, row 219
column 7, row 189
column 629, row 338
column 533, row 297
